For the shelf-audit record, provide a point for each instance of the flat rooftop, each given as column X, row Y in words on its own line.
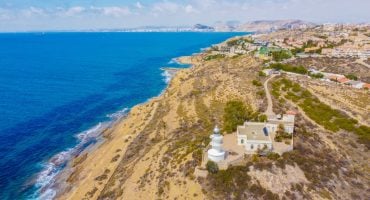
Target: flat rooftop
column 254, row 131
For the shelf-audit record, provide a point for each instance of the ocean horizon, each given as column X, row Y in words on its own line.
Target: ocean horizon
column 61, row 89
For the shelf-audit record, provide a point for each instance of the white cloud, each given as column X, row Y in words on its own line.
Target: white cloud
column 5, row 14
column 74, row 11
column 33, row 11
column 166, row 7
column 190, row 9
column 113, row 11
column 139, row 5
column 184, row 12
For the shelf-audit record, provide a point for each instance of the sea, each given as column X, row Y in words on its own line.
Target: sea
column 58, row 91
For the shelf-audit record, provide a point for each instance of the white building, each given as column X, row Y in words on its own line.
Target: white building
column 216, row 153
column 287, row 120
column 254, row 136
column 356, row 84
column 260, row 135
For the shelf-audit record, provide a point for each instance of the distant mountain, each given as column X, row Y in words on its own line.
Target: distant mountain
column 229, row 26
column 203, row 27
column 263, row 25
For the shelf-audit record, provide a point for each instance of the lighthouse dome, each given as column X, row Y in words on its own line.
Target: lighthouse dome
column 216, row 130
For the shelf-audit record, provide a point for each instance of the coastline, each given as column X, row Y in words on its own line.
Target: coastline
column 83, row 165
column 154, row 152
column 52, row 178
column 67, row 177
column 52, row 181
column 67, row 130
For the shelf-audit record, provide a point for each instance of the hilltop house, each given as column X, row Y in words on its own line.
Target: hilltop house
column 260, row 135
column 254, row 136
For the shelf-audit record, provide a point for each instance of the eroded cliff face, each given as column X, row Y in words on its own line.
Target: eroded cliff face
column 152, row 154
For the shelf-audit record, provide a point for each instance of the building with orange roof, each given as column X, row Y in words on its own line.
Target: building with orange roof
column 366, row 85
column 343, row 80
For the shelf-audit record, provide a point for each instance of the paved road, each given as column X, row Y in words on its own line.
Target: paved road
column 269, row 111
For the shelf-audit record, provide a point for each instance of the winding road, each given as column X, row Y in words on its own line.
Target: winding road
column 269, row 111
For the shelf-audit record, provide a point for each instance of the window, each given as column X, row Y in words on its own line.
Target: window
column 252, row 146
column 242, row 141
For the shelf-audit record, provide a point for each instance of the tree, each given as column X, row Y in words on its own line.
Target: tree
column 281, row 134
column 262, row 118
column 236, row 113
column 352, row 77
column 212, row 167
column 280, row 55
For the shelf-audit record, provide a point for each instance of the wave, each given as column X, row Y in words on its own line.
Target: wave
column 46, row 180
column 119, row 114
column 174, row 61
column 167, row 76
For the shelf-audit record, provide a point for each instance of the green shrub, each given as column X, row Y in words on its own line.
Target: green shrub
column 280, row 55
column 273, row 156
column 212, row 57
column 261, row 73
column 257, row 83
column 317, row 75
column 212, row 167
column 289, row 68
column 235, row 113
column 262, row 118
column 352, row 77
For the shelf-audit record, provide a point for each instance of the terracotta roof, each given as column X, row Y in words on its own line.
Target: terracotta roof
column 291, row 112
column 343, row 80
column 367, row 85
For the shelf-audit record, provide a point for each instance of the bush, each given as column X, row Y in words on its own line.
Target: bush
column 289, row 68
column 257, row 83
column 352, row 77
column 262, row 118
column 280, row 55
column 212, row 167
column 318, row 75
column 273, row 156
column 261, row 73
column 211, row 57
column 236, row 113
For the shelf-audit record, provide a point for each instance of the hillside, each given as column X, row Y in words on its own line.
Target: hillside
column 154, row 152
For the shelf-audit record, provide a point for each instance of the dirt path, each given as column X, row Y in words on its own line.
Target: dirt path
column 269, row 110
column 361, row 61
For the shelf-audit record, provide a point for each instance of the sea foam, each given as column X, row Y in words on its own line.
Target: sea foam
column 46, row 180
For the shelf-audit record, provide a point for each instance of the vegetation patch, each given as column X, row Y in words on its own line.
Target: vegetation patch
column 280, row 55
column 235, row 183
column 352, row 77
column 212, row 57
column 289, row 68
column 331, row 119
column 212, row 167
column 256, row 83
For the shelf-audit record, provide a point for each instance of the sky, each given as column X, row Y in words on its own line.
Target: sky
column 43, row 15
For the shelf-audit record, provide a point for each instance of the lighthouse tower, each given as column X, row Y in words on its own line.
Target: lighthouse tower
column 216, row 153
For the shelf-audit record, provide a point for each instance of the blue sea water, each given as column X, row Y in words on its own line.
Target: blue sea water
column 57, row 90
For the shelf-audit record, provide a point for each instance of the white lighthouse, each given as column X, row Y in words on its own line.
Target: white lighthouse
column 216, row 153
